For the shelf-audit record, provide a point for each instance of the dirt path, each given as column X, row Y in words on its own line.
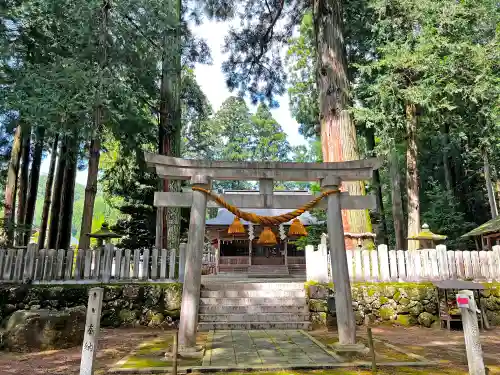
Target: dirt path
column 114, row 344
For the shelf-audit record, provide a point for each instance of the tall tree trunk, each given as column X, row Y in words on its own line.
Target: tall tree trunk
column 445, row 143
column 11, row 185
column 170, row 122
column 338, row 134
column 48, row 194
column 489, row 185
column 56, row 196
column 382, row 226
column 397, row 201
column 33, row 182
column 95, row 143
column 22, row 189
column 67, row 198
column 412, row 175
column 497, row 184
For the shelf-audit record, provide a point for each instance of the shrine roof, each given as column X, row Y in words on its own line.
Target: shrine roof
column 224, row 217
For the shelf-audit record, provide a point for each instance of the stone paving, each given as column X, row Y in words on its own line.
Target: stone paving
column 264, row 347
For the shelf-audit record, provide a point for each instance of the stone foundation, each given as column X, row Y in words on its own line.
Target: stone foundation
column 399, row 303
column 153, row 305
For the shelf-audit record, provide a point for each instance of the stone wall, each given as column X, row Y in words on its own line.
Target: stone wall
column 399, row 303
column 154, row 305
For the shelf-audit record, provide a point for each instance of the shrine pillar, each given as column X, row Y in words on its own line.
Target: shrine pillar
column 192, row 276
column 340, row 272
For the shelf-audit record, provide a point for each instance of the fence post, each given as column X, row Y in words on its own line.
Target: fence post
column 182, row 261
column 91, row 335
column 383, row 260
column 171, row 271
column 468, row 309
column 29, row 264
column 108, row 262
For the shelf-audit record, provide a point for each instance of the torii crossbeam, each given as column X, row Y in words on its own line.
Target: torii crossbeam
column 201, row 173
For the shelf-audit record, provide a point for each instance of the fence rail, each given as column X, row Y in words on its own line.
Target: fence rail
column 414, row 265
column 106, row 265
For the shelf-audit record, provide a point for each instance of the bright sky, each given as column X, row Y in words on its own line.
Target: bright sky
column 212, row 81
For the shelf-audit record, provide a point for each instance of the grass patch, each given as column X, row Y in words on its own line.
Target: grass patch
column 152, row 353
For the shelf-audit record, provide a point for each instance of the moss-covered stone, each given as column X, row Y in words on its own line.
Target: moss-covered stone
column 127, row 317
column 426, row 319
column 387, row 313
column 383, row 300
column 404, row 301
column 318, row 291
column 389, row 291
column 156, row 320
column 415, row 308
column 359, row 316
column 397, row 296
column 172, row 296
column 318, row 318
column 318, row 305
column 406, row 320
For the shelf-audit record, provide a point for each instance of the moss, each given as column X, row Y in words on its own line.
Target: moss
column 397, row 296
column 406, row 320
column 387, row 312
column 383, row 300
column 371, row 292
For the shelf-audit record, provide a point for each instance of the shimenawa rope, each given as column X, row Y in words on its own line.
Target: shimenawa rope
column 266, row 220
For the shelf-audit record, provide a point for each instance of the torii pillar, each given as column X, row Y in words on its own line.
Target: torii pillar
column 192, row 276
column 346, row 322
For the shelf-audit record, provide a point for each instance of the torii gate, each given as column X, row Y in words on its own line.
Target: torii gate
column 202, row 172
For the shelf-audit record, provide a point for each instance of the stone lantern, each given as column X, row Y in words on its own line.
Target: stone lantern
column 426, row 238
column 103, row 235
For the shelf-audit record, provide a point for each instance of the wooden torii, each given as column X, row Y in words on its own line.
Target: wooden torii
column 201, row 173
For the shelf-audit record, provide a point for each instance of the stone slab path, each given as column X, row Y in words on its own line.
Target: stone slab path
column 263, row 347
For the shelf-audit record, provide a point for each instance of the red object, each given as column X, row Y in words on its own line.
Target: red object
column 462, row 300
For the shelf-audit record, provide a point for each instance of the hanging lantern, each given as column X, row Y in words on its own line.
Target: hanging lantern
column 236, row 227
column 297, row 228
column 267, row 237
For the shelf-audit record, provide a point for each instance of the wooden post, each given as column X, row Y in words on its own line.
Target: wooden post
column 471, row 332
column 192, row 278
column 29, row 266
column 91, row 335
column 372, row 350
column 175, row 352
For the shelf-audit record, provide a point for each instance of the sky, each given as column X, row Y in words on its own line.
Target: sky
column 212, row 81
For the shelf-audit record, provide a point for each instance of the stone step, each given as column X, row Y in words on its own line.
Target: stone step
column 250, row 318
column 277, row 301
column 255, row 325
column 268, row 271
column 253, row 286
column 253, row 309
column 269, row 293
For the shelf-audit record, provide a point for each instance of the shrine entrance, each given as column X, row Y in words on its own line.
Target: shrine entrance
column 201, row 173
column 268, row 255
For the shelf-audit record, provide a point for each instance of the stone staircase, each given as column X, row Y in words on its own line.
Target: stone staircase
column 268, row 271
column 266, row 305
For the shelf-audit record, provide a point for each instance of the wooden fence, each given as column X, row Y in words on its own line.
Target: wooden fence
column 415, row 265
column 105, row 265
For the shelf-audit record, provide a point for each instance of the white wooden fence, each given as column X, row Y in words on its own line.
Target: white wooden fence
column 105, row 265
column 415, row 265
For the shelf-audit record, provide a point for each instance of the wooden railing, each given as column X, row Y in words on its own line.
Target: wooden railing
column 106, row 264
column 416, row 265
column 243, row 260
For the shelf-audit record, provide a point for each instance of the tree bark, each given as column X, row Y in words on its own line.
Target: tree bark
column 489, row 186
column 170, row 122
column 67, row 198
column 95, row 143
column 48, row 194
column 33, row 182
column 382, row 225
column 22, row 189
column 56, row 196
column 338, row 134
column 412, row 175
column 11, row 185
column 397, row 201
column 445, row 142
